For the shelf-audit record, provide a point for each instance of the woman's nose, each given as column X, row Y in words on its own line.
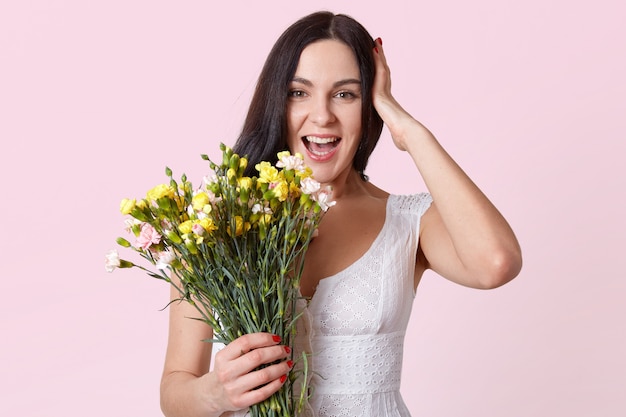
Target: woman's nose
column 321, row 112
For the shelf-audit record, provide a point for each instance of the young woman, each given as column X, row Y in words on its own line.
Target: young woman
column 325, row 92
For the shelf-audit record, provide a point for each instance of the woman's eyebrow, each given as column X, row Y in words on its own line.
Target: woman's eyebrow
column 339, row 83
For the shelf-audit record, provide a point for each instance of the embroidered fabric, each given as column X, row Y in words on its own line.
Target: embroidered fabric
column 355, row 323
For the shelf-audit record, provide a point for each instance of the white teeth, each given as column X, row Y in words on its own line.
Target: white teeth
column 321, row 141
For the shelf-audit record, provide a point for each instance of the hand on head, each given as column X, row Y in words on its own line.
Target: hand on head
column 393, row 115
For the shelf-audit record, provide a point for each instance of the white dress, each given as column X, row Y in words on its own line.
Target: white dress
column 356, row 321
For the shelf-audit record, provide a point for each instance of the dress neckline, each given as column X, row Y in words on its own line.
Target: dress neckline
column 375, row 242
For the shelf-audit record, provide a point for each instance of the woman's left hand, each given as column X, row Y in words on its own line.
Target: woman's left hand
column 393, row 115
column 463, row 237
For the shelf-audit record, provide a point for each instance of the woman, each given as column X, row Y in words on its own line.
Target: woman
column 324, row 92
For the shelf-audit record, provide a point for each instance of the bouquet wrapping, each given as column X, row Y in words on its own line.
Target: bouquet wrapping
column 234, row 248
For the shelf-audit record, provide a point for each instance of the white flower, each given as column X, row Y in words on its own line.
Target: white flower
column 209, row 179
column 130, row 222
column 112, row 260
column 309, row 185
column 165, row 259
column 323, row 199
column 294, row 162
column 258, row 208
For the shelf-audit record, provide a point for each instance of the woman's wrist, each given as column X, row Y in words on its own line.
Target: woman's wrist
column 205, row 392
column 184, row 394
column 409, row 134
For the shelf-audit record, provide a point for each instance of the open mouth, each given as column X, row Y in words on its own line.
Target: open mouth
column 320, row 146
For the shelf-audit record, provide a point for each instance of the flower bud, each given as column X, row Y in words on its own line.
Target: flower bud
column 125, row 264
column 226, row 154
column 127, row 205
column 243, row 164
column 268, row 195
column 231, row 174
column 234, row 162
column 173, row 237
column 123, row 242
column 191, row 246
column 262, row 230
column 139, row 214
column 244, row 195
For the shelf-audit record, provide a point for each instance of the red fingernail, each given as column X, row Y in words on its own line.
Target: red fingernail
column 290, row 364
column 283, row 379
column 375, row 49
column 380, row 41
column 287, row 349
column 276, row 338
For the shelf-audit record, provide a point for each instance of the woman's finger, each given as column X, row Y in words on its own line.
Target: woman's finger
column 260, row 356
column 255, row 380
column 382, row 79
column 261, row 393
column 247, row 343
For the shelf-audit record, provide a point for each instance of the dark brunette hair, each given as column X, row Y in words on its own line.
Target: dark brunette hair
column 264, row 132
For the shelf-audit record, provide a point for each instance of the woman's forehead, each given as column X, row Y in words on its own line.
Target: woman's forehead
column 327, row 58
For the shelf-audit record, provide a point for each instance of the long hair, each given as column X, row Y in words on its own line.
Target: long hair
column 264, row 132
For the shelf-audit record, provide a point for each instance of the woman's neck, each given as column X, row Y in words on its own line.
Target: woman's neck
column 350, row 184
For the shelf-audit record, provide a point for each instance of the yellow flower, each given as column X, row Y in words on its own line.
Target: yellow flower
column 266, row 218
column 283, row 154
column 240, row 226
column 160, row 191
column 281, row 191
column 208, row 224
column 245, row 183
column 267, row 172
column 294, row 190
column 231, row 174
column 199, row 201
column 127, row 205
column 185, row 186
column 185, row 227
column 306, row 173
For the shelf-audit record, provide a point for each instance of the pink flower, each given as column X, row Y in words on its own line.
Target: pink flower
column 112, row 260
column 147, row 237
column 198, row 229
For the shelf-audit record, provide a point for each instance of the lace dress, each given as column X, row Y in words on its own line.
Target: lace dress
column 356, row 321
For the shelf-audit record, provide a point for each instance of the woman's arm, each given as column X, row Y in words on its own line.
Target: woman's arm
column 464, row 237
column 188, row 388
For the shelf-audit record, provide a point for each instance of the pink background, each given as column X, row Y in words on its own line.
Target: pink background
column 96, row 98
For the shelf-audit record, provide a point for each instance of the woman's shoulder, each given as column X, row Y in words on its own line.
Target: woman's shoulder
column 411, row 204
column 416, row 203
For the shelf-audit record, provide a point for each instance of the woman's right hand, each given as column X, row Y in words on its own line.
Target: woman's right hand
column 234, row 384
column 191, row 387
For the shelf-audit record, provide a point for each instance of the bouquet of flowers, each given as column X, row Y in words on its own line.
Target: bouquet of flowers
column 236, row 248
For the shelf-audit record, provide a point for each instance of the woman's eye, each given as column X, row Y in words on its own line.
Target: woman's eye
column 347, row 95
column 296, row 94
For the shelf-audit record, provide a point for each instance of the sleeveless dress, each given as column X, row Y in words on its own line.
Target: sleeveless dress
column 355, row 323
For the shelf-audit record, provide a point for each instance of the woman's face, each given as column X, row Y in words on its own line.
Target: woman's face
column 324, row 109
